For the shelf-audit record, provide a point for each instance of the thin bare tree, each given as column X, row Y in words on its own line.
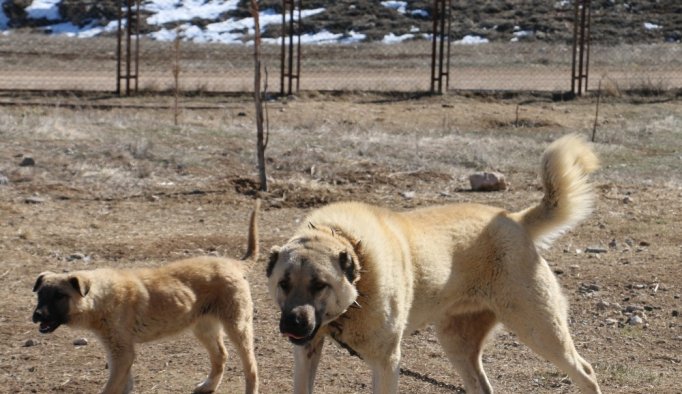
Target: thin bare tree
column 261, row 141
column 596, row 114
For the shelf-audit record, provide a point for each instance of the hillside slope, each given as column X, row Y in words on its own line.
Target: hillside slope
column 613, row 21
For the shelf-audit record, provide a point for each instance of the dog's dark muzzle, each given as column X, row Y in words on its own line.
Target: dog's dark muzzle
column 47, row 325
column 299, row 324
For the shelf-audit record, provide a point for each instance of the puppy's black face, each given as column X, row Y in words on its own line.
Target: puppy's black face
column 56, row 295
column 53, row 308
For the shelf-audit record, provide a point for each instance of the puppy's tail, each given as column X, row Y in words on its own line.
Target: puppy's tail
column 568, row 195
column 252, row 243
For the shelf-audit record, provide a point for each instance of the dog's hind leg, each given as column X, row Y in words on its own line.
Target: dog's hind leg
column 210, row 334
column 306, row 360
column 240, row 333
column 462, row 337
column 537, row 314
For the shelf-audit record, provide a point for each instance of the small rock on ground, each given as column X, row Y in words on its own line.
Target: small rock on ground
column 78, row 256
column 27, row 161
column 487, row 181
column 408, row 195
column 595, row 249
column 34, row 200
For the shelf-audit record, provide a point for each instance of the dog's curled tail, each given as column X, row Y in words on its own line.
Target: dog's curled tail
column 569, row 197
column 252, row 243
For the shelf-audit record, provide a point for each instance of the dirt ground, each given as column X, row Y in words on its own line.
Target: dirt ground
column 124, row 187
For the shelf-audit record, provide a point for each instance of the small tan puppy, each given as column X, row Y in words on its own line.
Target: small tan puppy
column 366, row 276
column 124, row 307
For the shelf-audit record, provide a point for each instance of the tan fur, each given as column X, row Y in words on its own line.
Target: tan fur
column 463, row 268
column 124, row 307
column 568, row 196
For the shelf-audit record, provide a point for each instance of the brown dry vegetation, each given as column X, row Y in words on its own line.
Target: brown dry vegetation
column 612, row 22
column 124, row 187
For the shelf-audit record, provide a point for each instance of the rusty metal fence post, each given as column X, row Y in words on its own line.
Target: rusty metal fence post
column 442, row 10
column 289, row 30
column 132, row 54
column 581, row 46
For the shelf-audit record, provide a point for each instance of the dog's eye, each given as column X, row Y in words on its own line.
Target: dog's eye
column 317, row 287
column 284, row 285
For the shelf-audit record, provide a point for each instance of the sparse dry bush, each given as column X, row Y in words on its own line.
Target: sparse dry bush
column 649, row 86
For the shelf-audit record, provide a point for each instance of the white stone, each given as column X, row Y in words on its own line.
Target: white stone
column 487, row 181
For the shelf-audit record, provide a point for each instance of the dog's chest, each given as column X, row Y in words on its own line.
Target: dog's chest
column 336, row 332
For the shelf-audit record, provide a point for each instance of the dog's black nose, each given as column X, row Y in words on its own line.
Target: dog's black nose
column 293, row 320
column 299, row 321
column 37, row 316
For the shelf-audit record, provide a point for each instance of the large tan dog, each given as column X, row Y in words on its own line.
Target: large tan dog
column 366, row 276
column 124, row 307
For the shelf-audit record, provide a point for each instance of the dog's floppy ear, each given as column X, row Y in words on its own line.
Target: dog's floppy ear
column 39, row 280
column 80, row 284
column 348, row 266
column 274, row 254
